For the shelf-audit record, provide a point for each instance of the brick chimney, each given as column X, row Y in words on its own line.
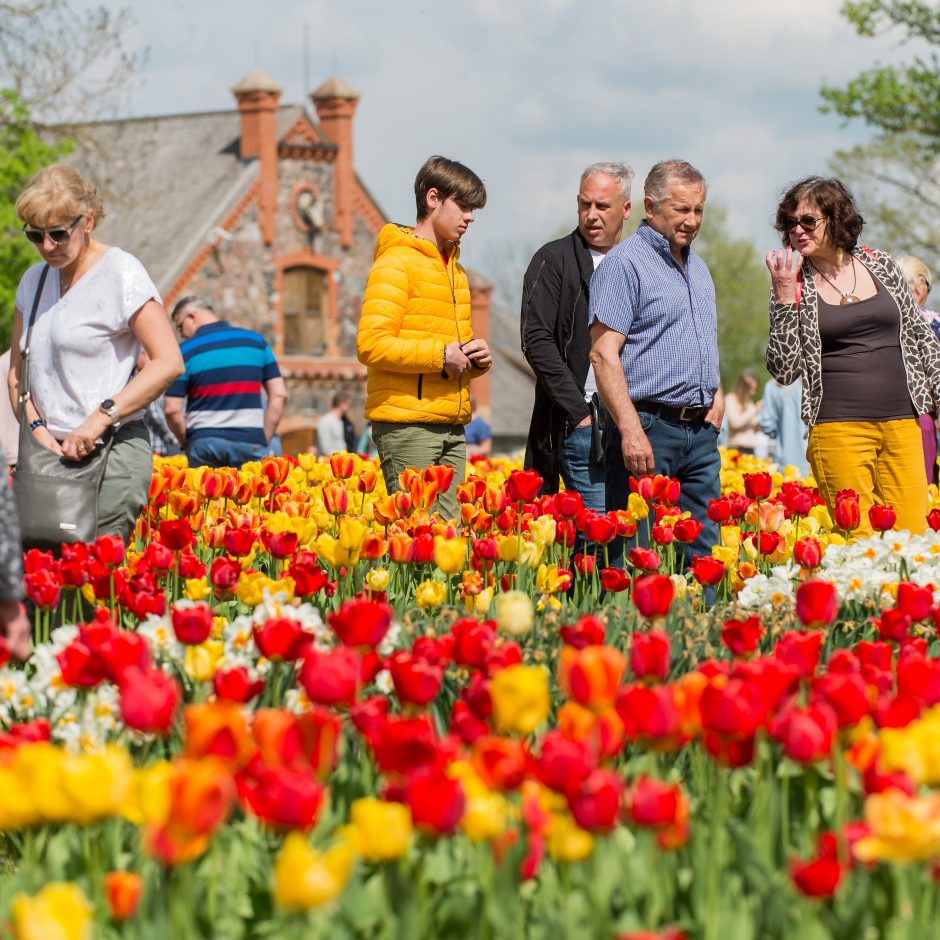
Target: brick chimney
column 258, row 95
column 336, row 103
column 481, row 299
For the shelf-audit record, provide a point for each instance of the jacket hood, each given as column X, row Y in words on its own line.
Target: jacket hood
column 393, row 235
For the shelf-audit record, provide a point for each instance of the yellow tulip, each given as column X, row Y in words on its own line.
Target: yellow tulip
column 514, row 613
column 305, row 879
column 148, row 799
column 430, row 594
column 520, row 697
column 902, row 828
column 478, row 603
column 568, row 842
column 727, row 556
column 637, row 507
column 380, row 831
column 197, row 589
column 201, row 661
column 543, row 530
column 377, row 579
column 96, row 783
column 450, row 555
column 41, row 765
column 60, row 911
column 731, row 538
column 17, row 808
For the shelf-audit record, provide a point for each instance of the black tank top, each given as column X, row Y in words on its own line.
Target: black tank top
column 862, row 369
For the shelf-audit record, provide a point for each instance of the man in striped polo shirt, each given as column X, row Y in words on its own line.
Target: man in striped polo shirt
column 215, row 407
column 654, row 333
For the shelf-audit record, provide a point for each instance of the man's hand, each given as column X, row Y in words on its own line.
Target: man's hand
column 716, row 414
column 478, row 352
column 455, row 362
column 637, row 452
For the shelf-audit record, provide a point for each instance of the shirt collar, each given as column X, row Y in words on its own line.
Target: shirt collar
column 659, row 242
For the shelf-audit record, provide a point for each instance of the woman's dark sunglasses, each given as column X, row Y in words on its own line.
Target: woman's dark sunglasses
column 57, row 235
column 806, row 222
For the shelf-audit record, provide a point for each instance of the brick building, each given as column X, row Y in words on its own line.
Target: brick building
column 260, row 210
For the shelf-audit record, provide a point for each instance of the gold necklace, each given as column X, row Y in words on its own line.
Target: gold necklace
column 848, row 297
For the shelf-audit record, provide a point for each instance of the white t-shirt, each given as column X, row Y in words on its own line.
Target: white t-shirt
column 83, row 349
column 331, row 435
column 590, row 383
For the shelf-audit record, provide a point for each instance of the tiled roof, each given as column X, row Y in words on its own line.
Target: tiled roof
column 167, row 181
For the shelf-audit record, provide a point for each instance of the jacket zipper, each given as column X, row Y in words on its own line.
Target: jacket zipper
column 453, row 297
column 420, row 384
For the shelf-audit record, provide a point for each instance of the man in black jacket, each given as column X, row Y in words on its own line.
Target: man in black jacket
column 555, row 338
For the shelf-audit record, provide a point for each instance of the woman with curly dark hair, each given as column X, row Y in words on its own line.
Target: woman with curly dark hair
column 843, row 320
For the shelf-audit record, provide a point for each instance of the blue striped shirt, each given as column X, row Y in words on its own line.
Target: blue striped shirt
column 667, row 316
column 226, row 367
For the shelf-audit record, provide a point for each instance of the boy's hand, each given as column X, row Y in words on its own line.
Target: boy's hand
column 455, row 362
column 478, row 352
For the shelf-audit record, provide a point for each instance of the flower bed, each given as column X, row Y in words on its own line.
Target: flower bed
column 301, row 707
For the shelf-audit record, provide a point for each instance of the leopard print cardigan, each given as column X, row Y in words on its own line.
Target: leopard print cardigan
column 794, row 349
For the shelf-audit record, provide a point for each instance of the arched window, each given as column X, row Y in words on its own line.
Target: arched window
column 304, row 293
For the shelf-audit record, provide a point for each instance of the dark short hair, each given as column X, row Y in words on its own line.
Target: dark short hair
column 341, row 398
column 833, row 199
column 450, row 179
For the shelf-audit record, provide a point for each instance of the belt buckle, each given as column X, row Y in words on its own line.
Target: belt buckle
column 684, row 409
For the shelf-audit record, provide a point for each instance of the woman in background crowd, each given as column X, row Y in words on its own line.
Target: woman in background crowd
column 918, row 278
column 741, row 414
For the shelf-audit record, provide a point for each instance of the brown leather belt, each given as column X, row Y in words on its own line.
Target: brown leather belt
column 685, row 414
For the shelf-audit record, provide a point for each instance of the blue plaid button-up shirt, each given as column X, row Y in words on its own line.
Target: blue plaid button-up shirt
column 667, row 315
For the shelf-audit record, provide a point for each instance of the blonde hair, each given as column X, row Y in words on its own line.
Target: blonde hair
column 57, row 194
column 913, row 268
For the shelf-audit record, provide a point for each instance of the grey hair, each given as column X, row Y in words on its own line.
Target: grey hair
column 665, row 172
column 619, row 171
column 190, row 301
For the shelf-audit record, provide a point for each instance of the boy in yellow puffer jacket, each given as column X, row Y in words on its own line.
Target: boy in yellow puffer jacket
column 415, row 333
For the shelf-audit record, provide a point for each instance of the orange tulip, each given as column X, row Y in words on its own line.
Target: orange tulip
column 122, row 890
column 472, row 490
column 373, row 546
column 384, row 510
column 276, row 469
column 591, row 675
column 158, row 486
column 401, row 548
column 441, row 474
column 367, row 481
column 342, row 464
column 183, row 502
column 335, row 497
column 602, row 731
column 423, row 492
column 259, row 486
column 403, row 503
column 218, row 729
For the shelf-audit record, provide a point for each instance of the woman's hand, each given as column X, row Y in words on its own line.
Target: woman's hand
column 44, row 436
column 82, row 442
column 784, row 266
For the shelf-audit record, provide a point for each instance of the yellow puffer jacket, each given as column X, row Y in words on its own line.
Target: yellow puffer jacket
column 413, row 307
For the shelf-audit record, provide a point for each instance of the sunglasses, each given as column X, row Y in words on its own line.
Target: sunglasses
column 57, row 236
column 806, row 222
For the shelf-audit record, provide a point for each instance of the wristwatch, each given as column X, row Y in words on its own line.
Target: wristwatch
column 111, row 410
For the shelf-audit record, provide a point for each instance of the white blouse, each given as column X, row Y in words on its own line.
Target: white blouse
column 83, row 349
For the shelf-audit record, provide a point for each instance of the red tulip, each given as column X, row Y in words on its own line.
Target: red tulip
column 149, row 700
column 416, row 680
column 598, row 528
column 846, row 512
column 569, row 504
column 235, row 685
column 649, row 715
column 192, row 624
column 224, row 574
column 643, row 559
column 361, row 623
column 43, row 587
column 122, row 890
column 109, row 550
column 933, row 519
column 758, row 485
column 742, row 636
column 846, row 694
column 281, row 639
column 818, row 877
column 238, row 542
column 652, row 595
column 563, row 764
column 893, row 625
column 176, row 534
column 402, row 745
column 817, row 603
column 280, row 544
column 596, row 806
column 707, row 570
column 281, row 797
column 331, row 678
column 719, row 510
column 653, row 803
column 807, row 553
column 800, row 649
column 797, row 499
column 687, row 530
column 436, row 801
column 614, row 580
column 649, row 654
column 806, row 734
column 523, row 485
column 588, row 631
column 915, row 600
column 882, row 518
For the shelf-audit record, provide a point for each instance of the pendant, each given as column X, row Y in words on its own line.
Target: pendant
column 848, row 299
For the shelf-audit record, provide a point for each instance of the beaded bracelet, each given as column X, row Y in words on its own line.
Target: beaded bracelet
column 38, row 423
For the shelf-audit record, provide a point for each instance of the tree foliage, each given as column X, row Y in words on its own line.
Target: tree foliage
column 22, row 154
column 895, row 99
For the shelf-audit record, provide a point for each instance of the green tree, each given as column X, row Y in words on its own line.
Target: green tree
column 22, row 154
column 742, row 286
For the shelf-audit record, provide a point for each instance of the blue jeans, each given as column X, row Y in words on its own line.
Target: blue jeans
column 686, row 451
column 222, row 452
column 578, row 474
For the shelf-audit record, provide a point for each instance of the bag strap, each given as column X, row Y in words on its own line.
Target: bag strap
column 24, row 393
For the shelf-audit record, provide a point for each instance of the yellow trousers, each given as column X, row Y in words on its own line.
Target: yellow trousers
column 883, row 461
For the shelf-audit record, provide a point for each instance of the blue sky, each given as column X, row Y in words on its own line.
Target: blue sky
column 527, row 92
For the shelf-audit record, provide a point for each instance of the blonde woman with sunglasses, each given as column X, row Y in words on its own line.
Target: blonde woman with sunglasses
column 97, row 309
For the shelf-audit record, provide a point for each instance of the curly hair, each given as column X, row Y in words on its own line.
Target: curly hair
column 833, row 200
